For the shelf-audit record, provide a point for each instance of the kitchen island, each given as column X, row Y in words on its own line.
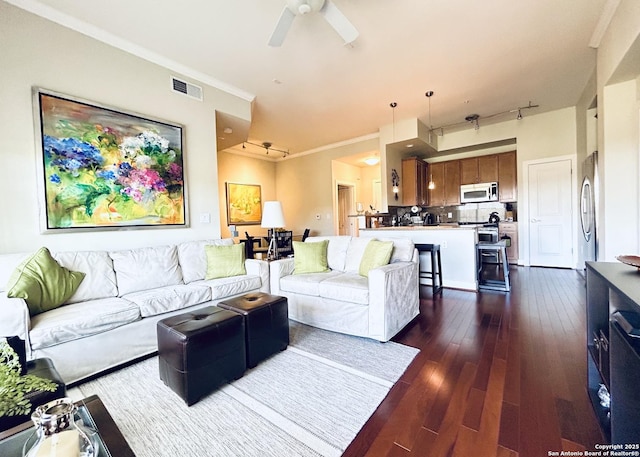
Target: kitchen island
column 457, row 246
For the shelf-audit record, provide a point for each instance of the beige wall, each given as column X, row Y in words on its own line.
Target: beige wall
column 244, row 170
column 620, row 172
column 368, row 175
column 36, row 52
column 618, row 69
column 306, row 186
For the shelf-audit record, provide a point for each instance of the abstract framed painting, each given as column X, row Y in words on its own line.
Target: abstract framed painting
column 244, row 204
column 105, row 169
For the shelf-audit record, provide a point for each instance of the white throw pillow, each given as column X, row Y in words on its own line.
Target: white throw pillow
column 146, row 268
column 193, row 259
column 355, row 253
column 99, row 280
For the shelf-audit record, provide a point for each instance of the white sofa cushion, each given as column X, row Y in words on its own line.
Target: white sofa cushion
column 347, row 287
column 169, row 298
column 77, row 320
column 336, row 251
column 233, row 285
column 306, row 284
column 355, row 252
column 146, row 268
column 402, row 249
column 193, row 259
column 99, row 280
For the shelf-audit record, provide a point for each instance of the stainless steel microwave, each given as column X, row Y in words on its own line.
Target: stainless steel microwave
column 475, row 193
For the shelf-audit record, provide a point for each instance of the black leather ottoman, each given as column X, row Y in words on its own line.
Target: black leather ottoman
column 201, row 350
column 266, row 324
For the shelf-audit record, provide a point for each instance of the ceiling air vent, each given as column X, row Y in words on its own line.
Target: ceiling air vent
column 188, row 89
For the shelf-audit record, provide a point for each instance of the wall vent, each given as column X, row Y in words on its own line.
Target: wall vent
column 188, row 89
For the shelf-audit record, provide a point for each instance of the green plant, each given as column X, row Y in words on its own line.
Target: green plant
column 14, row 388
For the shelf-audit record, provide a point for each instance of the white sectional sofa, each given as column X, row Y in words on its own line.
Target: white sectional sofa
column 111, row 318
column 341, row 300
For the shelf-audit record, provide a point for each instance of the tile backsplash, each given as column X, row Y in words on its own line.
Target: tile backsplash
column 475, row 212
column 469, row 212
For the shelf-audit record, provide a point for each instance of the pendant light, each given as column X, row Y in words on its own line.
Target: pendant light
column 429, row 94
column 395, row 178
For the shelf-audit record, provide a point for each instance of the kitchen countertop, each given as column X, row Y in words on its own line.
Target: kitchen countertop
column 444, row 226
column 457, row 246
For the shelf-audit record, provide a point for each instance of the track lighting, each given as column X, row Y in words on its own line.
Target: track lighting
column 267, row 147
column 475, row 118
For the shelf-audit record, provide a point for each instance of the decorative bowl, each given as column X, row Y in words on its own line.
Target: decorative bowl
column 632, row 260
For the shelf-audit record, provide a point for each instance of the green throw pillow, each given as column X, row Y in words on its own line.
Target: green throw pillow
column 310, row 257
column 225, row 261
column 376, row 254
column 42, row 282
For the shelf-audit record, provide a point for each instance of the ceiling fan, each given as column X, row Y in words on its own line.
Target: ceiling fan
column 331, row 13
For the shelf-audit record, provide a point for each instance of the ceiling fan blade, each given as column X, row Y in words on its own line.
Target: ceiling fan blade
column 339, row 22
column 282, row 27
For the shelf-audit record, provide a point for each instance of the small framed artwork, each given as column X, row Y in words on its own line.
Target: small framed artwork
column 101, row 168
column 244, row 204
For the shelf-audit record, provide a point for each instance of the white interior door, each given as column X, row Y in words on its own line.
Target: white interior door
column 550, row 233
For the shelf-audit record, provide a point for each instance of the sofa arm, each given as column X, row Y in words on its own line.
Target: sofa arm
column 277, row 270
column 259, row 268
column 393, row 298
column 14, row 318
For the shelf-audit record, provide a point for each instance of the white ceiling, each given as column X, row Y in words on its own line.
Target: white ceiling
column 479, row 57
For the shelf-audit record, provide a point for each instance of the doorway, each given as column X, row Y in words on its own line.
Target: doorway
column 346, row 198
column 550, row 219
column 376, row 199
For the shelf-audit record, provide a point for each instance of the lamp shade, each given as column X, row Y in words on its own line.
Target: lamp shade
column 272, row 216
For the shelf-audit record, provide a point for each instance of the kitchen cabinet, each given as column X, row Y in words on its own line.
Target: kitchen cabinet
column 613, row 356
column 436, row 175
column 510, row 229
column 414, row 182
column 446, row 178
column 507, row 177
column 479, row 169
column 451, row 183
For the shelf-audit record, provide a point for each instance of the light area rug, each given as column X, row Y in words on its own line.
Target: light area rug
column 309, row 400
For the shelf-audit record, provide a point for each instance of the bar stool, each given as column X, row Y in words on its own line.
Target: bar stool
column 436, row 266
column 500, row 247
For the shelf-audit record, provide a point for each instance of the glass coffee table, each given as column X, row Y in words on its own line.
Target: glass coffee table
column 93, row 413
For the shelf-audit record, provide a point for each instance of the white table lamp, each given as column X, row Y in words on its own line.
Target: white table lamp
column 272, row 218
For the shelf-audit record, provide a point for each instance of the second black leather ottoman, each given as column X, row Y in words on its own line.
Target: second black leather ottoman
column 266, row 324
column 201, row 350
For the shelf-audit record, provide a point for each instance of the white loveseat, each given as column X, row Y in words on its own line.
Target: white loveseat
column 342, row 300
column 111, row 318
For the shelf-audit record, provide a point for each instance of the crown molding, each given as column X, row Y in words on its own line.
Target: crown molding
column 99, row 34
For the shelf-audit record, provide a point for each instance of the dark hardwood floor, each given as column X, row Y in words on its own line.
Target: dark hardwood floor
column 498, row 375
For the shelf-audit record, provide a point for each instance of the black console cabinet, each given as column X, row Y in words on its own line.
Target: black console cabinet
column 613, row 357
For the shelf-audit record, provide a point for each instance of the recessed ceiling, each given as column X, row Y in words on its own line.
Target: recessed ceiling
column 478, row 57
column 359, row 160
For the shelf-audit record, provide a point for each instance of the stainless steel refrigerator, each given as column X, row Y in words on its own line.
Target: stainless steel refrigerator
column 589, row 208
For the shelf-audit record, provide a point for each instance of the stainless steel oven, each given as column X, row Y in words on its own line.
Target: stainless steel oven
column 488, row 233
